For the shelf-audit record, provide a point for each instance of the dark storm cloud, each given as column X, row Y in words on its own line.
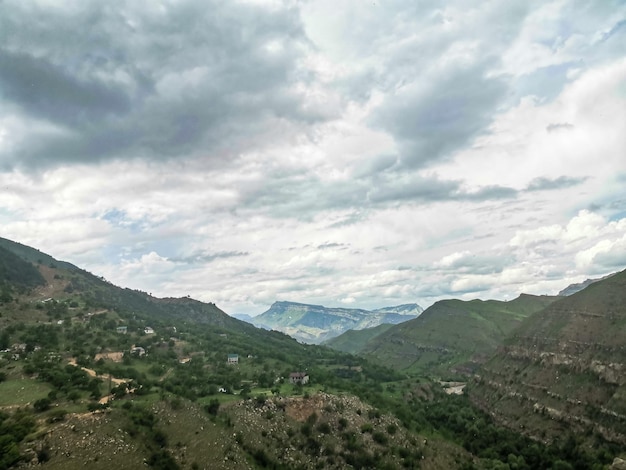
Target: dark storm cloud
column 546, row 184
column 307, row 195
column 114, row 80
column 430, row 120
column 46, row 90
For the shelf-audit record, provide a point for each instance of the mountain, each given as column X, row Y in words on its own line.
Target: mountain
column 315, row 323
column 452, row 335
column 18, row 272
column 353, row 341
column 573, row 288
column 564, row 368
column 243, row 317
column 32, row 255
column 40, row 279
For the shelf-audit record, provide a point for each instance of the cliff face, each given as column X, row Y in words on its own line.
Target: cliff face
column 564, row 368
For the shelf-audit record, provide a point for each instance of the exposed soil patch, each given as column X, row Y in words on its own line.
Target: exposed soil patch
column 111, row 356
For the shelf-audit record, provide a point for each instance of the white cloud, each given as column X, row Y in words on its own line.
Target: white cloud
column 323, row 152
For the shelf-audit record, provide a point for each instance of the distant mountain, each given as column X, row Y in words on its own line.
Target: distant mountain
column 243, row 317
column 573, row 288
column 315, row 323
column 564, row 368
column 452, row 335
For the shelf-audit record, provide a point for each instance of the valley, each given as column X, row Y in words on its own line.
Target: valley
column 93, row 376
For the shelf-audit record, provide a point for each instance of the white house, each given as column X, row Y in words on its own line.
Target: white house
column 299, row 378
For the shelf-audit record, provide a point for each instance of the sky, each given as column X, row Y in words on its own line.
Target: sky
column 345, row 153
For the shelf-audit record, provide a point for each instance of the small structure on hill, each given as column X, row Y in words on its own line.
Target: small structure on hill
column 138, row 350
column 122, row 329
column 233, row 359
column 148, row 330
column 299, row 378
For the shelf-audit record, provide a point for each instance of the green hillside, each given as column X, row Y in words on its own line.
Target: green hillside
column 564, row 368
column 33, row 255
column 452, row 336
column 14, row 271
column 353, row 341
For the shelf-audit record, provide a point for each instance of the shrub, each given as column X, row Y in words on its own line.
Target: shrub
column 42, row 404
column 57, row 415
column 306, row 429
column 162, row 460
column 212, row 407
column 324, row 428
column 366, row 427
column 380, row 438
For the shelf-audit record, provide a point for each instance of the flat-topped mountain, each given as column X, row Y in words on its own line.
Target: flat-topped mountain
column 564, row 368
column 452, row 335
column 316, row 323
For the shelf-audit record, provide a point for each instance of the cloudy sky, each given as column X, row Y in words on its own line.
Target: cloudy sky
column 345, row 153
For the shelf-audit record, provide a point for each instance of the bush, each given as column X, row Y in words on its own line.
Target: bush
column 366, row 427
column 212, row 407
column 306, row 429
column 162, row 460
column 380, row 438
column 57, row 415
column 324, row 428
column 42, row 404
column 43, row 455
column 159, row 438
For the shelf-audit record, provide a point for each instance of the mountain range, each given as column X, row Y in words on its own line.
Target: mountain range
column 315, row 323
column 94, row 375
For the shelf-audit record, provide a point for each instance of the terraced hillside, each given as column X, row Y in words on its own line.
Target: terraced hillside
column 452, row 336
column 564, row 368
